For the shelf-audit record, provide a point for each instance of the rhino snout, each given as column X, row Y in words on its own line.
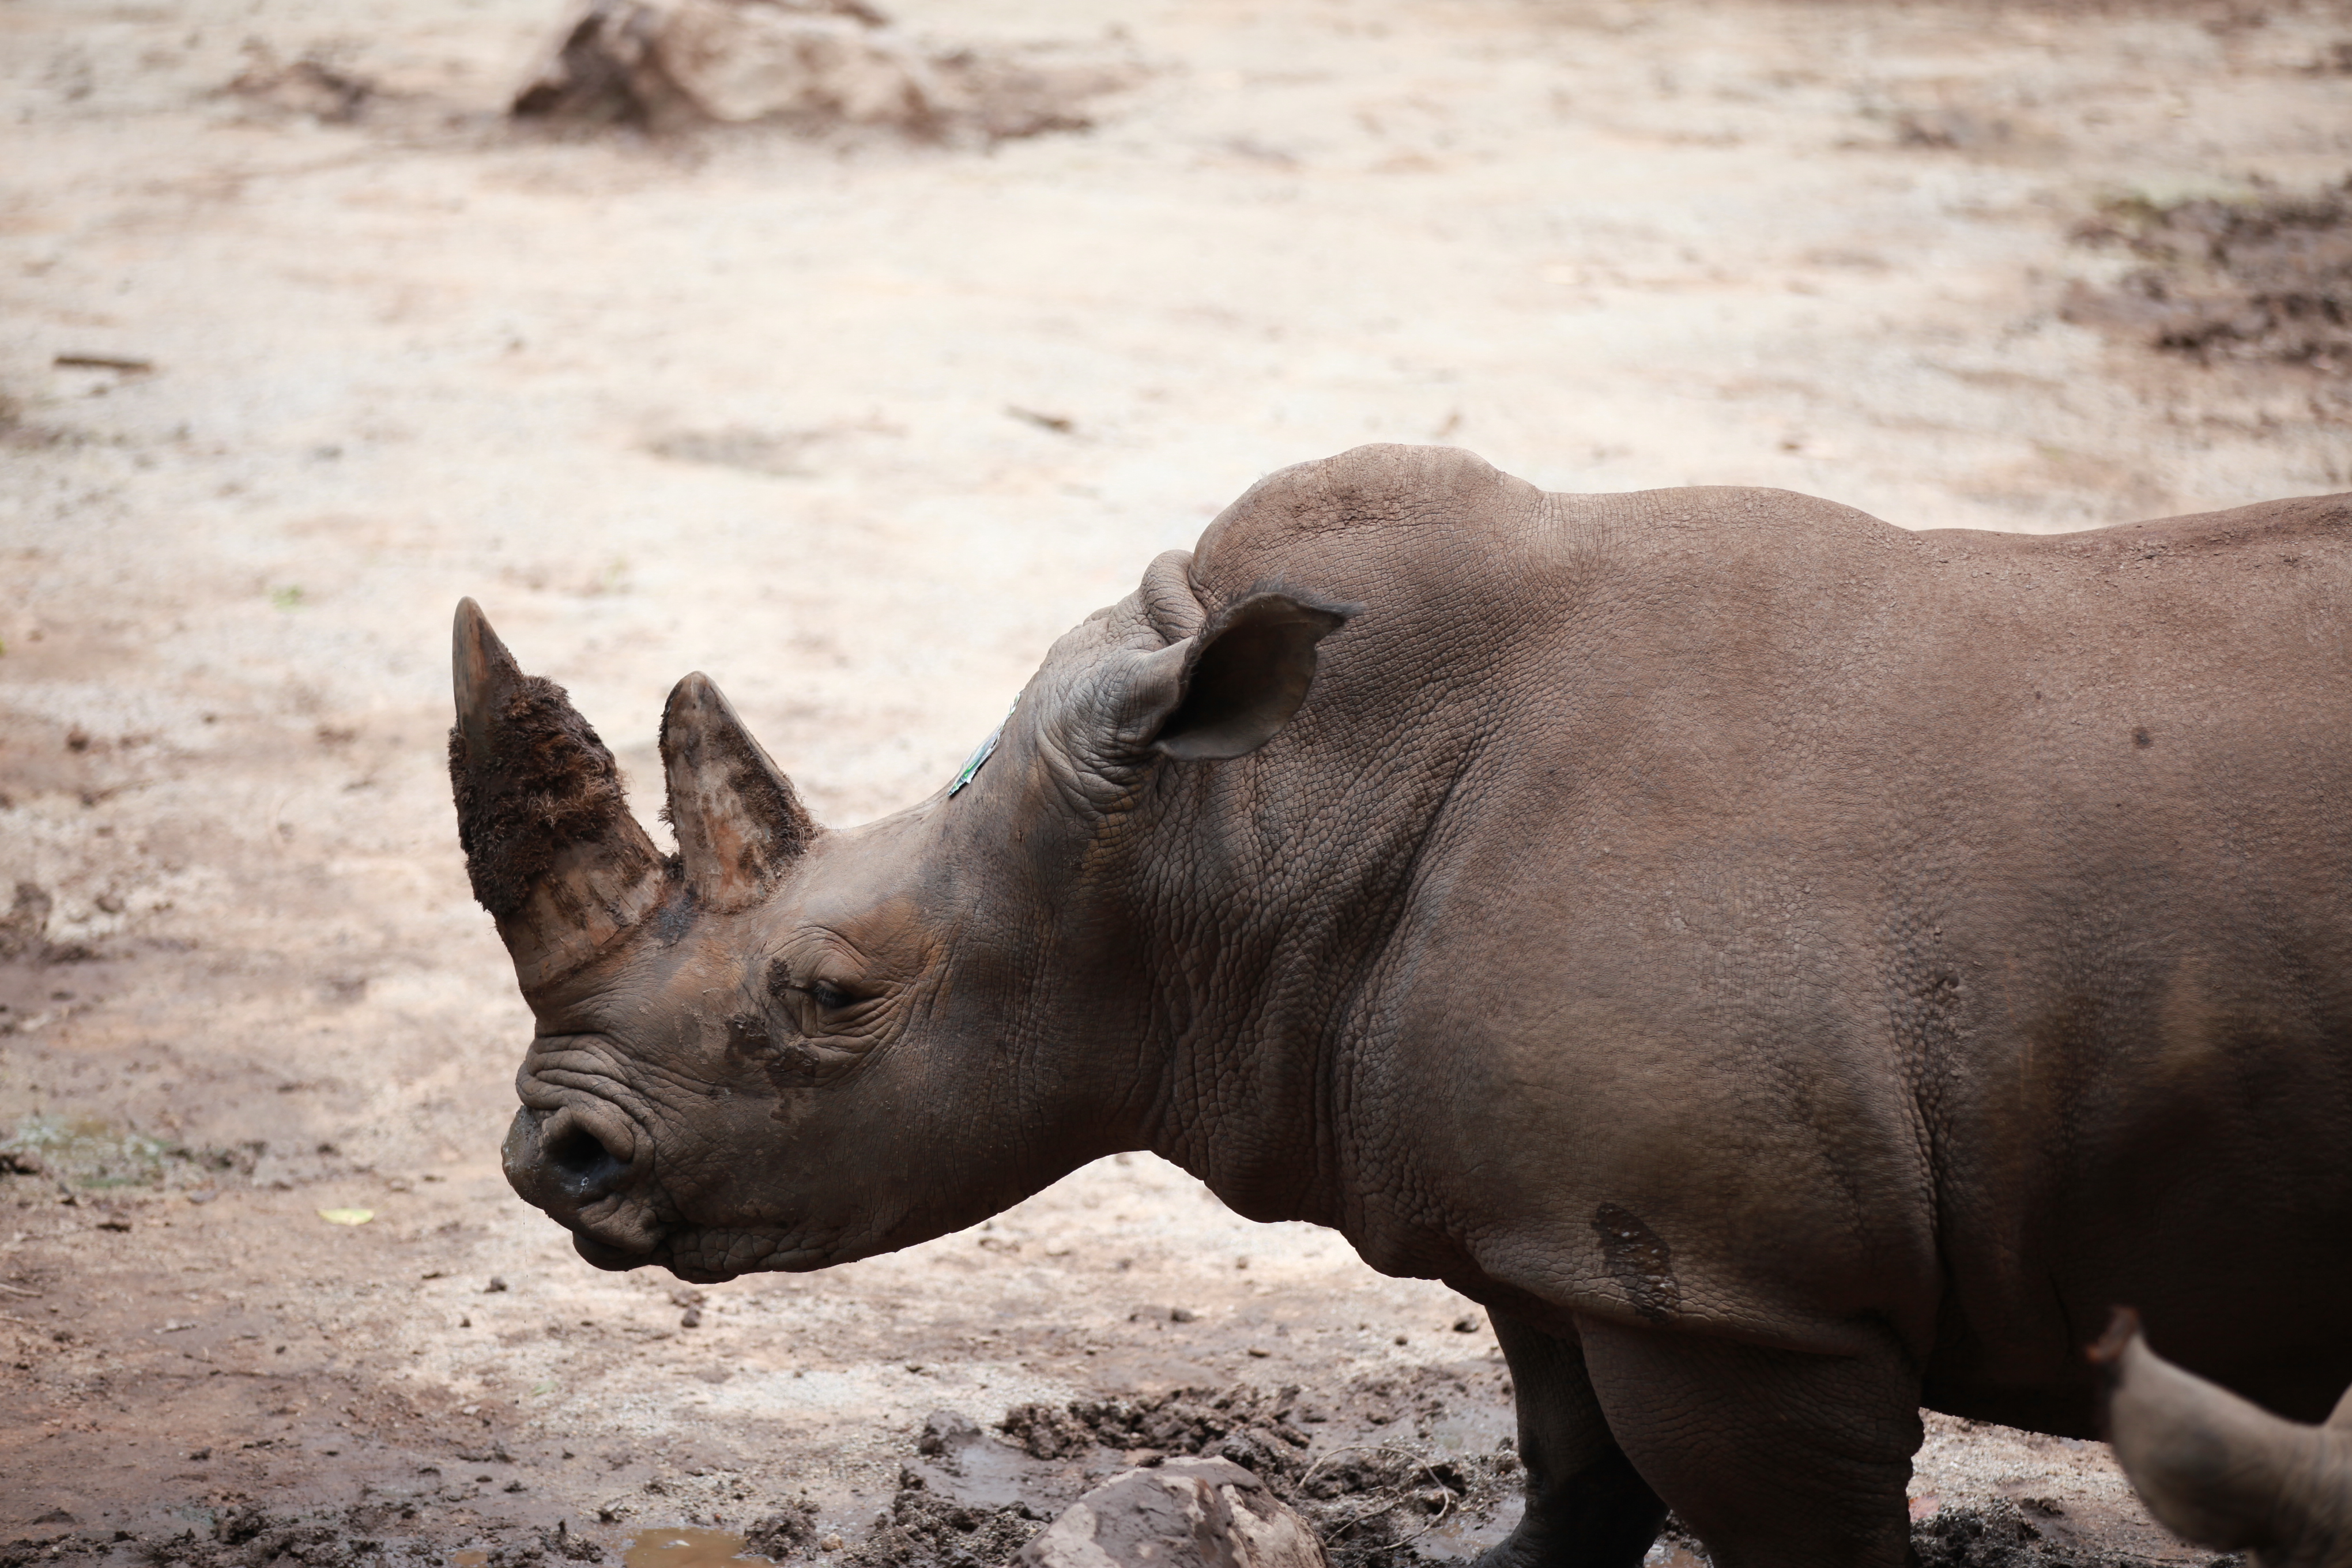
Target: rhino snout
column 573, row 1160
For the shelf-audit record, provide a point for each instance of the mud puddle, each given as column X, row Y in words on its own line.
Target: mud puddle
column 686, row 1548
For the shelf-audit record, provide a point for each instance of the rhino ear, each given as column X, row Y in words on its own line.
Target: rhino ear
column 1225, row 691
column 739, row 823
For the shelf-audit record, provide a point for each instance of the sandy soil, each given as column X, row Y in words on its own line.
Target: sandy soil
column 748, row 404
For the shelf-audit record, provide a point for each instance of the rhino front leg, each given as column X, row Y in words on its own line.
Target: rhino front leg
column 1586, row 1506
column 1775, row 1459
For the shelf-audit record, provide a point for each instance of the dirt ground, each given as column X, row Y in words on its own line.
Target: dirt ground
column 858, row 426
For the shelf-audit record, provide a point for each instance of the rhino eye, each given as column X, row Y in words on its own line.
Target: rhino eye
column 827, row 995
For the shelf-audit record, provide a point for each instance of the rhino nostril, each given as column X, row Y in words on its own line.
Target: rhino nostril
column 582, row 1160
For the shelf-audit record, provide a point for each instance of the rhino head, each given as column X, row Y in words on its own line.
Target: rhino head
column 784, row 1048
column 2222, row 1470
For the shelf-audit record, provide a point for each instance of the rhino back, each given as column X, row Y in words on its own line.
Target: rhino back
column 1795, row 923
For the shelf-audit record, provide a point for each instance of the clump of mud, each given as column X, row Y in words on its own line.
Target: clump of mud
column 790, row 1532
column 250, row 1536
column 1369, row 1504
column 2267, row 279
column 1247, row 1426
column 313, row 85
column 253, row 1537
column 1366, row 1503
column 2001, row 1534
column 812, row 66
column 2027, row 1533
column 926, row 1531
column 23, row 930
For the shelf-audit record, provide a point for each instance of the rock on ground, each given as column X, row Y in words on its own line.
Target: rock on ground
column 1210, row 1513
column 816, row 64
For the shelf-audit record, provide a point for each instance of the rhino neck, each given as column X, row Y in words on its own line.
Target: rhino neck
column 1270, row 955
column 1281, row 948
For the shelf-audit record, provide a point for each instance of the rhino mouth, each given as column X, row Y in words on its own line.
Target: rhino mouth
column 615, row 1257
column 604, row 1255
column 701, row 1257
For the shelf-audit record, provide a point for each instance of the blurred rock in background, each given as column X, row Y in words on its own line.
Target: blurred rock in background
column 666, row 65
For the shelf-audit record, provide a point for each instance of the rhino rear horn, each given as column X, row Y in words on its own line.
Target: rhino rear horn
column 2219, row 1469
column 739, row 823
column 551, row 848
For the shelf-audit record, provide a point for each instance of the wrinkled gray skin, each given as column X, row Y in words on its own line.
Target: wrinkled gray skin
column 2223, row 1471
column 1788, row 969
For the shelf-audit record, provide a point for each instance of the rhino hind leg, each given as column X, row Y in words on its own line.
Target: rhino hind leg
column 1775, row 1459
column 1586, row 1506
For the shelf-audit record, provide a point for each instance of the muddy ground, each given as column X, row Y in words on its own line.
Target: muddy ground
column 300, row 339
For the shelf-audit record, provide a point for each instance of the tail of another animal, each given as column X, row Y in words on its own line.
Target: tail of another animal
column 2221, row 1470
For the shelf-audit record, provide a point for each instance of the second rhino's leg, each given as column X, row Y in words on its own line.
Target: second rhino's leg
column 1586, row 1507
column 1776, row 1458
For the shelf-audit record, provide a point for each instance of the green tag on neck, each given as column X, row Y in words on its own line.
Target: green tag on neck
column 978, row 759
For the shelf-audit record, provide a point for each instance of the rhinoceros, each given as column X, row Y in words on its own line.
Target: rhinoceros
column 2222, row 1470
column 1788, row 969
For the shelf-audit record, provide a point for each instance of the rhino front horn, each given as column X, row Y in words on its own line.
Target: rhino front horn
column 550, row 844
column 739, row 823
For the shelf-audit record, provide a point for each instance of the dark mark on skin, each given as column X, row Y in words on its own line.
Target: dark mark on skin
column 789, row 1064
column 676, row 916
column 792, row 1067
column 747, row 1036
column 1637, row 1257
